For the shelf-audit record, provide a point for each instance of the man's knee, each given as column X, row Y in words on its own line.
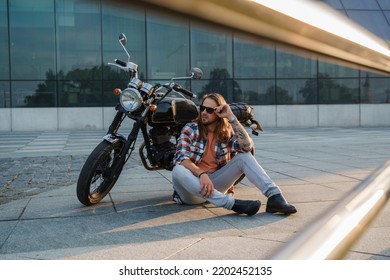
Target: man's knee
column 179, row 172
column 244, row 156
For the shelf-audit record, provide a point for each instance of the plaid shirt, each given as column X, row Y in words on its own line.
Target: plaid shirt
column 191, row 146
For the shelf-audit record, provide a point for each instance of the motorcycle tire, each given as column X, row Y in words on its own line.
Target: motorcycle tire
column 95, row 180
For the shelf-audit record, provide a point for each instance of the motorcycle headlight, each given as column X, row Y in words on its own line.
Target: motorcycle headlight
column 130, row 99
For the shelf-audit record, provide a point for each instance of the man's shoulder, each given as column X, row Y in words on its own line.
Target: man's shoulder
column 191, row 125
column 191, row 129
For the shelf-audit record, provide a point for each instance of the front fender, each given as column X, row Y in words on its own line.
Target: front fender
column 113, row 138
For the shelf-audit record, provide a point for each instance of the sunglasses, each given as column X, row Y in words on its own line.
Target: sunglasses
column 209, row 110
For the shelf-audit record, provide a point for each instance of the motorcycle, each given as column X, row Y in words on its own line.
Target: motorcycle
column 159, row 112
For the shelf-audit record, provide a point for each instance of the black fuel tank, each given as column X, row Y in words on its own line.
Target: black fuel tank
column 174, row 111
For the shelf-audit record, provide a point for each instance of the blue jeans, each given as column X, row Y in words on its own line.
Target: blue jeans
column 187, row 185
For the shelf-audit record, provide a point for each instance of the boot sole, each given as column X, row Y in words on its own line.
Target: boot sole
column 284, row 211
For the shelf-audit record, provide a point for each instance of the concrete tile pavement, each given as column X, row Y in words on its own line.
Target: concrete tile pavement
column 138, row 220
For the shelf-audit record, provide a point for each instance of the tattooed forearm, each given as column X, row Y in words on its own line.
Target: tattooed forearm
column 243, row 138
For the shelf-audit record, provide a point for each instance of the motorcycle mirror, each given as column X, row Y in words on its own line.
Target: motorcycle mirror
column 196, row 73
column 123, row 42
column 122, row 39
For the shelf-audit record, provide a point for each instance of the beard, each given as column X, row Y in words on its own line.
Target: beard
column 207, row 121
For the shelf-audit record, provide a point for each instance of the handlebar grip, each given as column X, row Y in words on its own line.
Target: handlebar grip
column 183, row 90
column 120, row 62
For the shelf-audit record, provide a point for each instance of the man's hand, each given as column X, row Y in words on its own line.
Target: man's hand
column 206, row 186
column 224, row 111
column 244, row 140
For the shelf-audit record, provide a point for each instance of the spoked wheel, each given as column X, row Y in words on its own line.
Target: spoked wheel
column 95, row 179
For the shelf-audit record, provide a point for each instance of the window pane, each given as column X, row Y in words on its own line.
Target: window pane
column 4, row 51
column 5, row 101
column 32, row 38
column 296, row 91
column 168, row 48
column 129, row 20
column 293, row 66
column 338, row 91
column 109, row 98
column 84, row 93
column 252, row 60
column 375, row 88
column 334, row 3
column 212, row 52
column 385, row 4
column 336, row 71
column 387, row 15
column 34, row 94
column 363, row 4
column 256, row 92
column 224, row 87
column 373, row 21
column 79, row 39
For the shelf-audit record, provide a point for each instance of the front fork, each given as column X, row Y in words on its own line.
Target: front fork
column 127, row 146
column 129, row 143
column 112, row 135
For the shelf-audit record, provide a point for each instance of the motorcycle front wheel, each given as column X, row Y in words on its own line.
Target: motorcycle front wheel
column 95, row 179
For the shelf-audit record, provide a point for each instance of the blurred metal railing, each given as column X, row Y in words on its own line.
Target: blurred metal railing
column 331, row 235
column 310, row 26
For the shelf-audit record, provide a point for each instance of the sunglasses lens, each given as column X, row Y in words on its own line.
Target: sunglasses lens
column 208, row 109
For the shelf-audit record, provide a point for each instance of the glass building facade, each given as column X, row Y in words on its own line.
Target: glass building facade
column 54, row 54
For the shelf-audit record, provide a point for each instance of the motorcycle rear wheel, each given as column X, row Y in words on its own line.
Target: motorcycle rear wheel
column 95, row 180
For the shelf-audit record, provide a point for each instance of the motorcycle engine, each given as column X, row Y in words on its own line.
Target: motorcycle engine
column 163, row 150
